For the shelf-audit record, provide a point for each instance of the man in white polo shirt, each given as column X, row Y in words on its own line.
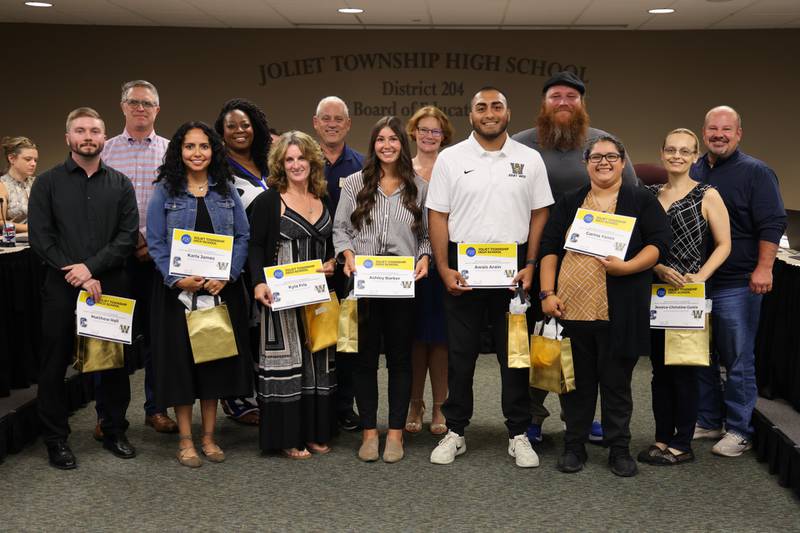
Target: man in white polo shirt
column 486, row 189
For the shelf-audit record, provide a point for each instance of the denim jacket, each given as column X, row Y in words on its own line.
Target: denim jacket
column 166, row 212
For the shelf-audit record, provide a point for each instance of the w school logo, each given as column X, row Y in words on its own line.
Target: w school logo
column 124, row 328
column 619, row 246
column 697, row 313
column 509, row 273
column 406, row 284
column 320, row 288
column 517, row 169
column 221, row 265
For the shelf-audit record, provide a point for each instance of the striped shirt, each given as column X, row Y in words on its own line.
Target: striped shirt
column 139, row 160
column 390, row 232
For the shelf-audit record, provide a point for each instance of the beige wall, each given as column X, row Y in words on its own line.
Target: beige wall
column 640, row 84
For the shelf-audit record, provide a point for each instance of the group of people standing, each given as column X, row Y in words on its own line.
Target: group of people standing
column 287, row 198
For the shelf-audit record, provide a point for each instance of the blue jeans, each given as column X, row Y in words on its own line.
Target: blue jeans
column 734, row 322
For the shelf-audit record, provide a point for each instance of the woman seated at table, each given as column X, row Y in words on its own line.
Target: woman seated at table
column 603, row 303
column 696, row 213
column 194, row 191
column 431, row 130
column 381, row 212
column 16, row 183
column 291, row 222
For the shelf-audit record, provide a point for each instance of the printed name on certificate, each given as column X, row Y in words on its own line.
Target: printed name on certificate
column 600, row 234
column 196, row 253
column 109, row 318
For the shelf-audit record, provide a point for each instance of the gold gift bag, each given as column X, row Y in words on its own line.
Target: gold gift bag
column 93, row 355
column 544, row 350
column 559, row 375
column 347, row 338
column 519, row 352
column 688, row 347
column 210, row 332
column 321, row 324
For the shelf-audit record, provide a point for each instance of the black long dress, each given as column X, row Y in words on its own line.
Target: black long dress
column 179, row 381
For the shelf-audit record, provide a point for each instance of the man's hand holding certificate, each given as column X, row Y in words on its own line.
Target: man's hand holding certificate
column 488, row 265
column 678, row 307
column 297, row 284
column 600, row 234
column 194, row 253
column 110, row 318
column 384, row 276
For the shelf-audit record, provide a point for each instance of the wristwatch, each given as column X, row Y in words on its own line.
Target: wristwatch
column 545, row 294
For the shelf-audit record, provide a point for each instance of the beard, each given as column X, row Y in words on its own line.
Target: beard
column 87, row 150
column 561, row 135
column 491, row 135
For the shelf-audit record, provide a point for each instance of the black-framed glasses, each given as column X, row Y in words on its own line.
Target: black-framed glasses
column 611, row 157
column 435, row 132
column 147, row 104
column 683, row 152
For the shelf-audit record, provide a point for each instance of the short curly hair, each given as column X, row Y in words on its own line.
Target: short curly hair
column 433, row 112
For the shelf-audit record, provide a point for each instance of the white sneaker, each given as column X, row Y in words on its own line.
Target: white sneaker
column 707, row 433
column 732, row 445
column 450, row 447
column 520, row 448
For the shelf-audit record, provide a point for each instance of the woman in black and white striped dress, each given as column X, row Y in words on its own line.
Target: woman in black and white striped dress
column 381, row 212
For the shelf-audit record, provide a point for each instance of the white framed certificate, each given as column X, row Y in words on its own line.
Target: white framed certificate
column 678, row 308
column 488, row 265
column 110, row 318
column 600, row 234
column 296, row 284
column 195, row 253
column 384, row 276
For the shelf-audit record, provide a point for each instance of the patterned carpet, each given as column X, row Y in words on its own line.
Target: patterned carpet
column 482, row 491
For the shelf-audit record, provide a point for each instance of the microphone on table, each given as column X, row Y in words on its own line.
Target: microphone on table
column 8, row 238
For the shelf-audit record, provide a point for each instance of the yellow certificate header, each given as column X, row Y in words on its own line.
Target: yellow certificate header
column 289, row 270
column 608, row 220
column 385, row 262
column 488, row 249
column 114, row 303
column 199, row 238
column 690, row 290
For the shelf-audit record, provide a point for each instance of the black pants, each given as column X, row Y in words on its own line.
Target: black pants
column 595, row 365
column 58, row 350
column 390, row 319
column 675, row 397
column 345, row 363
column 464, row 316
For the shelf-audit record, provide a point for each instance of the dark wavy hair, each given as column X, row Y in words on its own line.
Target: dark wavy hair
column 173, row 171
column 372, row 174
column 262, row 141
column 605, row 137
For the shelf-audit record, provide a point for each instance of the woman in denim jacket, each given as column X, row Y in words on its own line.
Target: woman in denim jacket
column 195, row 191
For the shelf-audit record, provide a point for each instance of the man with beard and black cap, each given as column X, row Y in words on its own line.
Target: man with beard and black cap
column 562, row 129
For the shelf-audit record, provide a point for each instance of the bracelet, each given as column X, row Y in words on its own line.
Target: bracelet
column 532, row 262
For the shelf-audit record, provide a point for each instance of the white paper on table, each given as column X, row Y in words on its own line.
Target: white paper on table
column 678, row 308
column 384, row 276
column 600, row 234
column 110, row 318
column 488, row 265
column 195, row 253
column 296, row 284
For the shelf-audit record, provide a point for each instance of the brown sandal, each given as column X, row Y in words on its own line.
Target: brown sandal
column 188, row 456
column 210, row 449
column 414, row 423
column 296, row 454
column 319, row 449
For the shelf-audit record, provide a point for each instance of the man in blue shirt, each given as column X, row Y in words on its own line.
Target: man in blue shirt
column 750, row 191
column 332, row 123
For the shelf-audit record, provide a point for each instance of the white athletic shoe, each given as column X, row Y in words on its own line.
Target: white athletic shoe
column 520, row 448
column 450, row 447
column 732, row 445
column 707, row 433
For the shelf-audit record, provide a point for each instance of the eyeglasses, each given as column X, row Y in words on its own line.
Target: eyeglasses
column 147, row 104
column 684, row 152
column 432, row 132
column 611, row 157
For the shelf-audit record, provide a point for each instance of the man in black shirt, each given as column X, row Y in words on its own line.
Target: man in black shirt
column 84, row 224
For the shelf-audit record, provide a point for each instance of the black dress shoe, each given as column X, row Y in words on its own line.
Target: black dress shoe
column 61, row 456
column 119, row 446
column 349, row 421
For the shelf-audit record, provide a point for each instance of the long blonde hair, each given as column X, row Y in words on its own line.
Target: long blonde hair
column 277, row 179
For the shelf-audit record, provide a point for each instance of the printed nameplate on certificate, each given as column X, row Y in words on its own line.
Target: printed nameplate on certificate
column 678, row 308
column 488, row 265
column 194, row 253
column 110, row 318
column 600, row 234
column 296, row 284
column 384, row 276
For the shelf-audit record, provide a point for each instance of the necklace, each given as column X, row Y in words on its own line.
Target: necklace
column 200, row 188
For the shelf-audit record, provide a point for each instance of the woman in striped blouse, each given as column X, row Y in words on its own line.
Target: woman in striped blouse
column 381, row 212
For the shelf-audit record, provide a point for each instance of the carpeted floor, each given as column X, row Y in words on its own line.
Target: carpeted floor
column 482, row 491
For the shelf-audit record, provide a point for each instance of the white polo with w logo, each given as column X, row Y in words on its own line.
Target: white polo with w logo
column 488, row 195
